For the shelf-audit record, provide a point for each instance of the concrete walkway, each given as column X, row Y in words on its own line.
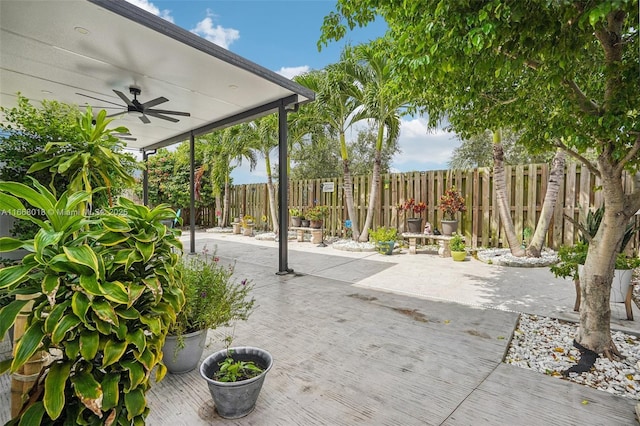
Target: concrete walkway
column 367, row 339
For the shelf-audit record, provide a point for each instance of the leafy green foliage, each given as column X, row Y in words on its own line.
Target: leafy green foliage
column 457, row 243
column 213, row 298
column 382, row 234
column 235, row 370
column 107, row 290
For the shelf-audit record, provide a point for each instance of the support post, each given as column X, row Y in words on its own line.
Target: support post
column 192, row 190
column 145, row 178
column 283, row 192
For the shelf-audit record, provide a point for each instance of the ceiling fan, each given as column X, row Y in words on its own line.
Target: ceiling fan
column 145, row 109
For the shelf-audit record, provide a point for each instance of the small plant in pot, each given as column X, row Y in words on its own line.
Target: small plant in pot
column 457, row 247
column 296, row 217
column 316, row 215
column 451, row 202
column 414, row 224
column 235, row 377
column 212, row 299
column 384, row 238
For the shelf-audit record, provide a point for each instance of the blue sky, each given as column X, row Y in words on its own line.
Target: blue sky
column 282, row 35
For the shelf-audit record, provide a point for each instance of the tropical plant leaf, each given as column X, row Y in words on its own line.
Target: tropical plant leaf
column 135, row 403
column 67, row 323
column 145, row 249
column 147, row 358
column 27, row 345
column 12, row 275
column 72, row 348
column 115, row 291
column 116, row 224
column 136, row 374
column 161, row 371
column 9, row 313
column 110, row 390
column 50, row 285
column 10, row 244
column 112, row 238
column 153, row 324
column 104, row 311
column 33, row 415
column 138, row 339
column 90, row 284
column 55, row 315
column 80, row 305
column 54, row 386
column 135, row 291
column 45, row 238
column 84, row 255
column 88, row 390
column 5, row 365
column 113, row 351
column 89, row 343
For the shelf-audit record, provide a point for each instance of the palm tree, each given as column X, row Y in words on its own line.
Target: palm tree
column 337, row 104
column 225, row 151
column 381, row 102
column 261, row 135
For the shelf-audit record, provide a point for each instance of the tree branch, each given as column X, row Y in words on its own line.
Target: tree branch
column 586, row 104
column 633, row 152
column 578, row 157
column 578, row 225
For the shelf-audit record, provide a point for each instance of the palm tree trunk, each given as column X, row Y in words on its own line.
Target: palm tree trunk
column 375, row 180
column 272, row 194
column 556, row 177
column 348, row 195
column 501, row 193
column 225, row 202
column 218, row 203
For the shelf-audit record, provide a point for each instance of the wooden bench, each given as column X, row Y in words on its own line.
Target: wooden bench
column 443, row 242
column 316, row 234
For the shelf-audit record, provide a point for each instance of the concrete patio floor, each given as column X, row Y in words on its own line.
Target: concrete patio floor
column 361, row 338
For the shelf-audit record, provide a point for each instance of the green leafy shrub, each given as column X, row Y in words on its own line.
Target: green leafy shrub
column 457, row 243
column 107, row 290
column 383, row 234
column 212, row 297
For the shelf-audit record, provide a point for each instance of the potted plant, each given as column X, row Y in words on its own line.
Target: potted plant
column 316, row 215
column 457, row 247
column 235, row 377
column 451, row 202
column 414, row 224
column 384, row 238
column 296, row 217
column 212, row 299
column 105, row 292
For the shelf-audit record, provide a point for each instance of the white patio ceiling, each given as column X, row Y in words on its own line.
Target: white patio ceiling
column 58, row 49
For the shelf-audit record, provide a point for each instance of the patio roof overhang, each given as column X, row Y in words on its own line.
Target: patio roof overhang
column 62, row 50
column 78, row 51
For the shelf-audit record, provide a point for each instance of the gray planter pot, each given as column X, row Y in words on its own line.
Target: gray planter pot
column 236, row 399
column 449, row 226
column 187, row 358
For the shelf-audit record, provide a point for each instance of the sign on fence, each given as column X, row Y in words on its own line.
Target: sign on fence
column 327, row 186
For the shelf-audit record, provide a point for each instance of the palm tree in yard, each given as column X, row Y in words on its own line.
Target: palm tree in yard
column 381, row 102
column 337, row 104
column 262, row 136
column 225, row 152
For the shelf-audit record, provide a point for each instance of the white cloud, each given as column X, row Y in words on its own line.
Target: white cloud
column 150, row 7
column 423, row 148
column 217, row 34
column 291, row 72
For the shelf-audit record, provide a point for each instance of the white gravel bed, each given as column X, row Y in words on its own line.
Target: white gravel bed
column 504, row 257
column 350, row 245
column 545, row 345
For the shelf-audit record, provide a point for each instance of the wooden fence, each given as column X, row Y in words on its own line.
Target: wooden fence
column 481, row 225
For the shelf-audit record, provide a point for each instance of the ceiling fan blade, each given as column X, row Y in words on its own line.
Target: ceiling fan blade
column 98, row 99
column 163, row 117
column 154, row 102
column 164, row 111
column 124, row 98
column 145, row 119
column 117, row 113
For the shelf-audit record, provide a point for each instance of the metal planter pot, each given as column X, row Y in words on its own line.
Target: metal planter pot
column 414, row 225
column 187, row 358
column 449, row 226
column 236, row 399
